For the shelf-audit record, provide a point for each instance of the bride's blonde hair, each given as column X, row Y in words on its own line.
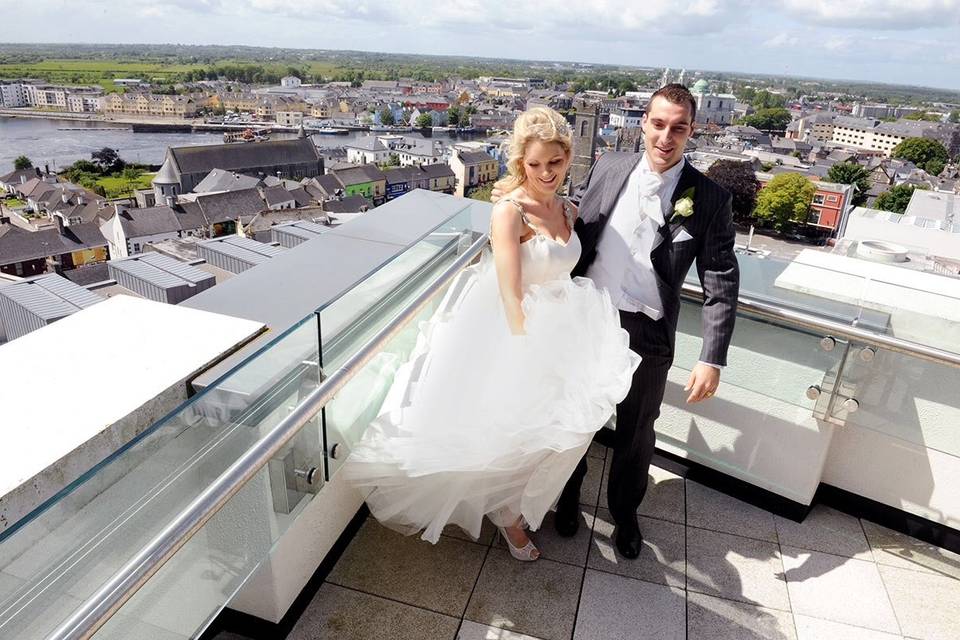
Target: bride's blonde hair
column 539, row 124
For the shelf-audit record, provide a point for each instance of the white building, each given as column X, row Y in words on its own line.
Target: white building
column 367, row 150
column 626, row 117
column 290, row 82
column 13, row 94
column 289, row 118
column 84, row 103
column 715, row 108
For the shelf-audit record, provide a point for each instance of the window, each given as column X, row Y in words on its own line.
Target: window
column 818, row 199
column 832, row 199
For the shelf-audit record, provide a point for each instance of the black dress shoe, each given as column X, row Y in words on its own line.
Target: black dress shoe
column 629, row 540
column 567, row 519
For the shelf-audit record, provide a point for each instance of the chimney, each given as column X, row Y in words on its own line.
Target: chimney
column 79, row 198
column 23, row 179
column 64, row 197
column 169, row 201
column 46, row 169
column 39, row 173
column 60, row 225
column 279, row 175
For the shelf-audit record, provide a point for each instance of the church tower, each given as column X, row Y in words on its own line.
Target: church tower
column 584, row 141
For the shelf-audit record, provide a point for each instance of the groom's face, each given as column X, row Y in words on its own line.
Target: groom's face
column 666, row 129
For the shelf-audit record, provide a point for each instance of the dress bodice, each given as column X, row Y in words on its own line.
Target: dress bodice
column 543, row 258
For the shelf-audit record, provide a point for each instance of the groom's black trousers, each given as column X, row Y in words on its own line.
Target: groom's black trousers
column 635, row 439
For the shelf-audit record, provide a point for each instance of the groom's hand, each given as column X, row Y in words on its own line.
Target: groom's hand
column 703, row 382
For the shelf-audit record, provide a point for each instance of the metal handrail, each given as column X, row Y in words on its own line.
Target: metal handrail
column 767, row 311
column 102, row 605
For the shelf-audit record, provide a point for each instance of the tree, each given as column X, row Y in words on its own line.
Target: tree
column 896, row 198
column 453, row 116
column 775, row 119
column 763, row 99
column 954, row 117
column 108, row 160
column 921, row 151
column 424, row 121
column 922, row 115
column 22, row 162
column 386, row 117
column 852, row 173
column 737, row 178
column 785, row 200
column 481, row 193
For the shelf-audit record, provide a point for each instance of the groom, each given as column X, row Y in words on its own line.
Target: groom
column 644, row 220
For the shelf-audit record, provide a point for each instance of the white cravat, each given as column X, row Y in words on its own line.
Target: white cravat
column 650, row 184
column 623, row 264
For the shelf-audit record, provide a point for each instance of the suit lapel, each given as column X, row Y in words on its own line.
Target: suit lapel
column 688, row 178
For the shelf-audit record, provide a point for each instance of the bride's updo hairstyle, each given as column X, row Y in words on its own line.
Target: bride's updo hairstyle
column 539, row 124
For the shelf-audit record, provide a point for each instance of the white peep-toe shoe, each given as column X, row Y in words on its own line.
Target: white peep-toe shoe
column 527, row 553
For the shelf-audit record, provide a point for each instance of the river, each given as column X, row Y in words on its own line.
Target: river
column 62, row 142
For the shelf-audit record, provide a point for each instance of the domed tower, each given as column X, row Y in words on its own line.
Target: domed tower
column 701, row 86
column 166, row 184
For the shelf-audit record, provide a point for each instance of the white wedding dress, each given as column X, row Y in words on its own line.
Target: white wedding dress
column 483, row 422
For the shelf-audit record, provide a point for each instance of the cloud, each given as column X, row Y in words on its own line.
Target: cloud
column 877, row 14
column 782, row 40
column 540, row 16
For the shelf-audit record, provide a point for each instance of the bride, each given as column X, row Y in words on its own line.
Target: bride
column 512, row 376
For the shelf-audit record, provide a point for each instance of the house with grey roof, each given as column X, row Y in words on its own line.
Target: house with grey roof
column 222, row 210
column 30, row 253
column 441, row 176
column 367, row 149
column 128, row 231
column 185, row 167
column 365, row 180
column 277, row 197
column 10, row 180
column 220, row 180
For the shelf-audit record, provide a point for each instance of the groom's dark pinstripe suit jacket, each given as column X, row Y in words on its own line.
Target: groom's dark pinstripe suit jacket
column 710, row 226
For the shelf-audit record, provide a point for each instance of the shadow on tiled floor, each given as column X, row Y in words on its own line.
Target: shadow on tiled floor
column 712, row 567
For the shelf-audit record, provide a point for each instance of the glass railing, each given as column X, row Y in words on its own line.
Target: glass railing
column 62, row 554
column 781, row 375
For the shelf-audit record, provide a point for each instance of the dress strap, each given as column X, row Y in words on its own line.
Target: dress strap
column 569, row 213
column 523, row 214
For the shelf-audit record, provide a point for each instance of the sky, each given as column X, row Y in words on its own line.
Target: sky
column 897, row 41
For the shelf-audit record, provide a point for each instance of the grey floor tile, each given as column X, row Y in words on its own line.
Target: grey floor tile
column 226, row 635
column 664, row 498
column 343, row 614
column 618, row 607
column 840, row 589
column 661, row 559
column 926, row 605
column 710, row 618
column 896, row 549
column 437, row 577
column 710, row 509
column 590, row 489
column 487, row 533
column 554, row 547
column 597, row 450
column 827, row 530
column 536, row 598
column 475, row 631
column 736, row 568
column 817, row 629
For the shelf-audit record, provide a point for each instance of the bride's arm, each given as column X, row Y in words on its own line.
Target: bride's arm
column 505, row 232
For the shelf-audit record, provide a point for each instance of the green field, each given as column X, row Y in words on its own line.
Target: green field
column 103, row 72
column 121, row 187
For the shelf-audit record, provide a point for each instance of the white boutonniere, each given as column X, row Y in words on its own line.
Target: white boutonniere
column 684, row 206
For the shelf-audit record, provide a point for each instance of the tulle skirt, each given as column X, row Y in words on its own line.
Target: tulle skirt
column 481, row 422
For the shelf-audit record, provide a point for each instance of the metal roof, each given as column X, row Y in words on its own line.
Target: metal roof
column 50, row 297
column 303, row 229
column 243, row 248
column 160, row 270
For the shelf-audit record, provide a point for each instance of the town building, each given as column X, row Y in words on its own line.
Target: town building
column 473, row 169
column 185, row 167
